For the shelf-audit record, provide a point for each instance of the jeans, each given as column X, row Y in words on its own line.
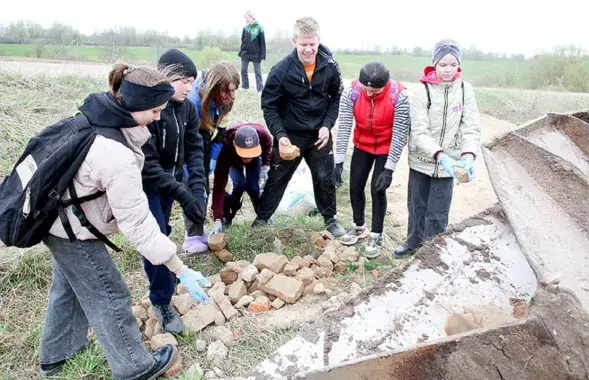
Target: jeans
column 87, row 288
column 162, row 282
column 245, row 83
column 248, row 182
column 428, row 203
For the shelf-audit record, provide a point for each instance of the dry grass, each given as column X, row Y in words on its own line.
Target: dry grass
column 519, row 106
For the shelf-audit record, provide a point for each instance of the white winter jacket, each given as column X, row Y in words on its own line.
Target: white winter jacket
column 449, row 125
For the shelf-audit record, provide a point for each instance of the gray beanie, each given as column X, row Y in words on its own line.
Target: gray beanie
column 444, row 47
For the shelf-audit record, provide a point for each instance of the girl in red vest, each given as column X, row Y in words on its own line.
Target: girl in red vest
column 380, row 107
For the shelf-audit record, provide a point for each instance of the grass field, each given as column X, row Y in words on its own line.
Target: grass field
column 407, row 68
column 29, row 103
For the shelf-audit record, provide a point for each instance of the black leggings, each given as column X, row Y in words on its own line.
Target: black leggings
column 362, row 163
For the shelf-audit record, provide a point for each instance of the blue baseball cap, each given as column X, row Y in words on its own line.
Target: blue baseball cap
column 247, row 142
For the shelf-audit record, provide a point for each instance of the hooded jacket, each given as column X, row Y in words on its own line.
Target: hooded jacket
column 448, row 125
column 116, row 169
column 175, row 141
column 293, row 105
column 253, row 48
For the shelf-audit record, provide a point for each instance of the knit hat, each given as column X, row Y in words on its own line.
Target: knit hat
column 444, row 47
column 374, row 74
column 182, row 63
column 247, row 142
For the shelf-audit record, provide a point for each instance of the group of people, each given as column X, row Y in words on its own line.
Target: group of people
column 174, row 123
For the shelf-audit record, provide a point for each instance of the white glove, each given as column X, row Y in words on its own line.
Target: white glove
column 217, row 228
column 263, row 177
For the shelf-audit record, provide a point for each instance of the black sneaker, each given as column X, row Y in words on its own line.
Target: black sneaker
column 261, row 223
column 405, row 250
column 164, row 358
column 48, row 370
column 333, row 227
column 168, row 318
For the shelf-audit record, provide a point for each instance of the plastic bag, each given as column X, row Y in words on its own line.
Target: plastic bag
column 299, row 197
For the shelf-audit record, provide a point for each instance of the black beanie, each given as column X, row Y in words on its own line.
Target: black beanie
column 374, row 74
column 185, row 66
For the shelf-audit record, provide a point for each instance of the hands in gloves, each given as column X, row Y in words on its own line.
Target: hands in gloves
column 383, row 181
column 337, row 174
column 192, row 282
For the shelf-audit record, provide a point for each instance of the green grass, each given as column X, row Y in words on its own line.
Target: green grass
column 499, row 73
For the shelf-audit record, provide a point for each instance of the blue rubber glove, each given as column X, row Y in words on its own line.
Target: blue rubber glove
column 448, row 163
column 192, row 282
column 468, row 163
column 212, row 166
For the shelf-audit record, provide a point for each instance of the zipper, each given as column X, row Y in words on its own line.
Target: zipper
column 164, row 136
column 442, row 135
column 177, row 143
column 370, row 120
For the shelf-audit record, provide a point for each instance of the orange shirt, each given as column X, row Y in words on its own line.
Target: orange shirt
column 309, row 70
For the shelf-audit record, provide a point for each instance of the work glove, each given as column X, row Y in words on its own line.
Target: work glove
column 337, row 175
column 212, row 166
column 448, row 163
column 468, row 164
column 192, row 282
column 383, row 181
column 217, row 228
column 191, row 208
column 263, row 177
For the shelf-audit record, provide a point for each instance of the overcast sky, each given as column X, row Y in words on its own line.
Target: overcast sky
column 511, row 26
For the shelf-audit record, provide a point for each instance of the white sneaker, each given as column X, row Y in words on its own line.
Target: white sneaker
column 373, row 246
column 353, row 234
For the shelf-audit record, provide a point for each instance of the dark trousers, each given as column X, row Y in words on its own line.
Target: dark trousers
column 320, row 163
column 162, row 282
column 362, row 163
column 248, row 182
column 428, row 203
column 245, row 83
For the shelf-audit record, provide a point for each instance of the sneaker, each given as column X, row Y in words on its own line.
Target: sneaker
column 168, row 318
column 405, row 250
column 262, row 223
column 196, row 244
column 353, row 234
column 333, row 227
column 164, row 357
column 48, row 370
column 373, row 246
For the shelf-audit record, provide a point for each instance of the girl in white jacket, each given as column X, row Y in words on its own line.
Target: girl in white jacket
column 87, row 288
column 445, row 133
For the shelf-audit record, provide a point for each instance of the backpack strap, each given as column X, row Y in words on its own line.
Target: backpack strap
column 79, row 213
column 429, row 99
column 112, row 133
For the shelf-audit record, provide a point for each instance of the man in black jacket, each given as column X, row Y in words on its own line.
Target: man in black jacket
column 253, row 49
column 300, row 102
column 175, row 140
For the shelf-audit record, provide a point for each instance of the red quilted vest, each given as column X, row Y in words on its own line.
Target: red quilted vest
column 374, row 117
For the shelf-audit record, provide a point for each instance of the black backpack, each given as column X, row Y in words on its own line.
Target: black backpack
column 30, row 196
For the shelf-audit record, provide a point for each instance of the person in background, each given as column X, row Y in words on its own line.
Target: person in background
column 380, row 108
column 253, row 49
column 213, row 95
column 247, row 146
column 300, row 102
column 445, row 133
column 86, row 286
column 175, row 141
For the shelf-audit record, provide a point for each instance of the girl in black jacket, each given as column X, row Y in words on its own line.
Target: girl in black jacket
column 175, row 141
column 253, row 49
